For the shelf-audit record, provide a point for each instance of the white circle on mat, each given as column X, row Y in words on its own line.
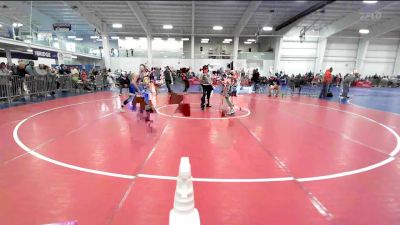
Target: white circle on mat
column 225, row 180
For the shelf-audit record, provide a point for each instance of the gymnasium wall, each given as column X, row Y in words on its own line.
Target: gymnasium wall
column 341, row 54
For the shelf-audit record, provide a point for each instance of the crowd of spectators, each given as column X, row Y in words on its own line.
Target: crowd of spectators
column 22, row 78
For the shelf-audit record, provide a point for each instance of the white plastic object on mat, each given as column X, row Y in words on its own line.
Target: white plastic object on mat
column 184, row 212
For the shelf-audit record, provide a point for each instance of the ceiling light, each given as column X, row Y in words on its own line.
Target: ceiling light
column 168, row 27
column 1, row 25
column 142, row 38
column 29, row 50
column 205, row 39
column 56, row 39
column 157, row 38
column 71, row 37
column 114, row 37
column 363, row 31
column 78, row 39
column 17, row 24
column 74, row 57
column 27, row 41
column 128, row 38
column 247, row 42
column 217, row 27
column 267, row 28
column 117, row 25
column 370, row 2
column 204, row 42
column 171, row 39
column 185, row 39
column 94, row 37
column 99, row 39
column 251, row 40
column 226, row 42
column 227, row 39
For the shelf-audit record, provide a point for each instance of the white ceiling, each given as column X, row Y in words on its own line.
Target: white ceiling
column 179, row 14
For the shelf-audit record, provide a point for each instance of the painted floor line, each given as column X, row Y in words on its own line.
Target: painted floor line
column 125, row 176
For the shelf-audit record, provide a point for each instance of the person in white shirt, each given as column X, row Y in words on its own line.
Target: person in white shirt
column 74, row 71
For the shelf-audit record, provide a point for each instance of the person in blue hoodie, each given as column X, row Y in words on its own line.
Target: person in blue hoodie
column 133, row 91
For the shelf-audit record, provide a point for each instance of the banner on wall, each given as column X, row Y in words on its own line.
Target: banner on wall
column 45, row 54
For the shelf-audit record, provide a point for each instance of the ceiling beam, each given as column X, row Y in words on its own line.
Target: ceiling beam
column 383, row 28
column 134, row 6
column 352, row 18
column 251, row 9
column 292, row 23
column 86, row 14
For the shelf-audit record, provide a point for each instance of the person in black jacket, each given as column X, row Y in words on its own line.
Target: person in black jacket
column 20, row 69
column 256, row 79
column 185, row 78
column 168, row 78
column 124, row 82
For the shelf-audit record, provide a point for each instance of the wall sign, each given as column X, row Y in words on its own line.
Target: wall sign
column 45, row 54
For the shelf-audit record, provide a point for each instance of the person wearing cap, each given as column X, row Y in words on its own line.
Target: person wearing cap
column 206, row 84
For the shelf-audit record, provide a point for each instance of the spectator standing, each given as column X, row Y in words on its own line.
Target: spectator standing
column 185, row 78
column 3, row 79
column 74, row 71
column 256, row 79
column 63, row 70
column 30, row 69
column 326, row 81
column 168, row 78
column 20, row 70
column 3, row 69
column 347, row 80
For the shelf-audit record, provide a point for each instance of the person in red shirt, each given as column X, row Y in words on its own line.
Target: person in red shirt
column 326, row 81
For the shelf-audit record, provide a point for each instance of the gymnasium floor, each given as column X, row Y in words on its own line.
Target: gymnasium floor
column 287, row 161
